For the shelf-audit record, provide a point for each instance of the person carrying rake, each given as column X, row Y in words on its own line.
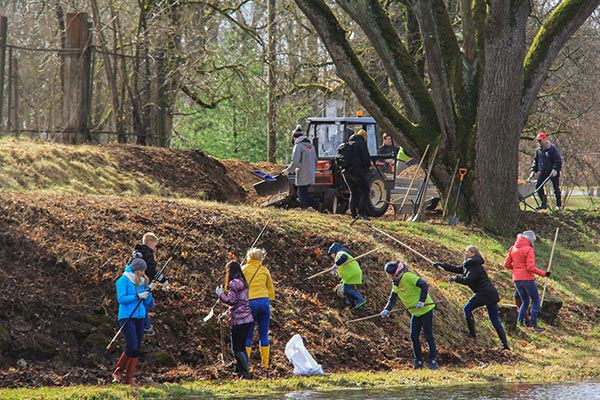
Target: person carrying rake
column 413, row 293
column 132, row 289
column 472, row 274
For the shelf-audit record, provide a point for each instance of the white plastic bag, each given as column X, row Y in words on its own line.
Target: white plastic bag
column 304, row 363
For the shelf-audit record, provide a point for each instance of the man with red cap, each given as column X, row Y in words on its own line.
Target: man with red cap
column 547, row 162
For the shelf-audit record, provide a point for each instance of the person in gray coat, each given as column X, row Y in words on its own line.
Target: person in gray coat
column 304, row 165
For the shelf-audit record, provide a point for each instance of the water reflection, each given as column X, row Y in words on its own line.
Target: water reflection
column 563, row 391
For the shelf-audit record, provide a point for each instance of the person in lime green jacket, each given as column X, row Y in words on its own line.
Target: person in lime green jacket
column 260, row 293
column 349, row 270
column 413, row 293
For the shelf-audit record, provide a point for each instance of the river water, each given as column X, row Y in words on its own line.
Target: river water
column 561, row 391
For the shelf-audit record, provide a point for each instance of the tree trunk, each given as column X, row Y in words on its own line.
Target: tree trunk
column 271, row 112
column 498, row 122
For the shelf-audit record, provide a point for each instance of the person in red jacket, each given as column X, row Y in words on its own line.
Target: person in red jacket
column 521, row 260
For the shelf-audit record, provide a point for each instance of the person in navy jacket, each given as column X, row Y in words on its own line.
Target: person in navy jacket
column 132, row 289
column 548, row 162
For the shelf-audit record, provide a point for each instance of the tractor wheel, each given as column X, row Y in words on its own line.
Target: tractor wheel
column 379, row 196
column 335, row 204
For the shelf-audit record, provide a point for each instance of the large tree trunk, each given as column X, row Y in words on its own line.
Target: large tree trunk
column 498, row 122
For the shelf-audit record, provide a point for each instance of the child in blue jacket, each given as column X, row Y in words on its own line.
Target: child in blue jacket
column 133, row 295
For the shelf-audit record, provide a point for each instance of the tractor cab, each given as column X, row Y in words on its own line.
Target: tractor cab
column 326, row 134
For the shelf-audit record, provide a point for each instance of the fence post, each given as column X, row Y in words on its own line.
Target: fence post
column 3, row 41
column 13, row 89
column 75, row 83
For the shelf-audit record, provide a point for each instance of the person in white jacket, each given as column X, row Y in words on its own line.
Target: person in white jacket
column 304, row 166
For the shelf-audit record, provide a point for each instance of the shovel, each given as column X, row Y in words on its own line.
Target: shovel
column 461, row 174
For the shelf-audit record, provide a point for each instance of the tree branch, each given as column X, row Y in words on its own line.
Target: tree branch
column 397, row 61
column 551, row 37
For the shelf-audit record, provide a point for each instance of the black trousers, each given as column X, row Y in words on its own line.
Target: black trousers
column 542, row 194
column 238, row 335
column 359, row 192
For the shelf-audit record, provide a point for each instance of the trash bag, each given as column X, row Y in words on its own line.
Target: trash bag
column 304, row 363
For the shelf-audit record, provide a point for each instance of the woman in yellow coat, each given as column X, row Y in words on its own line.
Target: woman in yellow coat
column 261, row 292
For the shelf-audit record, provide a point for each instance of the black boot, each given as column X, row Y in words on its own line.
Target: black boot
column 502, row 336
column 471, row 326
column 242, row 364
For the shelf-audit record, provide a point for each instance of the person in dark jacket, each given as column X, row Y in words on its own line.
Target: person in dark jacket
column 548, row 162
column 147, row 249
column 355, row 174
column 239, row 312
column 485, row 293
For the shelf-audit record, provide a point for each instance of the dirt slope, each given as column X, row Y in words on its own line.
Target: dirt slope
column 61, row 254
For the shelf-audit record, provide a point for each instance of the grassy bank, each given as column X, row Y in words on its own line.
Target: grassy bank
column 545, row 362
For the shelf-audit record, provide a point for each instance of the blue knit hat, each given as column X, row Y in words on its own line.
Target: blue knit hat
column 334, row 248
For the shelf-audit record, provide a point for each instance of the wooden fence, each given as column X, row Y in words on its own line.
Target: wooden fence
column 80, row 93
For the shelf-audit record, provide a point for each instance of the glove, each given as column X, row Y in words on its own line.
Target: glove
column 531, row 175
column 165, row 285
column 334, row 270
column 385, row 313
column 439, row 265
column 152, row 285
column 553, row 173
column 452, row 279
column 219, row 290
column 143, row 295
column 420, row 304
column 547, row 274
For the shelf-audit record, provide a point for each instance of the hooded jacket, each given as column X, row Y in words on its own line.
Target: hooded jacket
column 128, row 299
column 148, row 256
column 304, row 162
column 521, row 260
column 360, row 160
column 475, row 277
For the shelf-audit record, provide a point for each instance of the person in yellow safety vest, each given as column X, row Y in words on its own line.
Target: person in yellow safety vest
column 403, row 160
column 349, row 270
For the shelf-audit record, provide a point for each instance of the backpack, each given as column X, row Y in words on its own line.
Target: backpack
column 343, row 156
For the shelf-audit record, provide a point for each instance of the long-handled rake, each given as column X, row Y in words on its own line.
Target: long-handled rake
column 329, row 269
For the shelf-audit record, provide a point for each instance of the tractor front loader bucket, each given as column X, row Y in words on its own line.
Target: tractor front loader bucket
column 281, row 185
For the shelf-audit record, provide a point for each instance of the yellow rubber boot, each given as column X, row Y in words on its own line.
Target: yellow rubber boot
column 264, row 355
column 248, row 351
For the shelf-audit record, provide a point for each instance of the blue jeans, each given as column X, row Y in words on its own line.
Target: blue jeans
column 306, row 199
column 425, row 321
column 353, row 295
column 261, row 312
column 134, row 333
column 492, row 310
column 147, row 324
column 528, row 292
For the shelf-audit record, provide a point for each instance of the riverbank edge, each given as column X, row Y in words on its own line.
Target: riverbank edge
column 526, row 372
